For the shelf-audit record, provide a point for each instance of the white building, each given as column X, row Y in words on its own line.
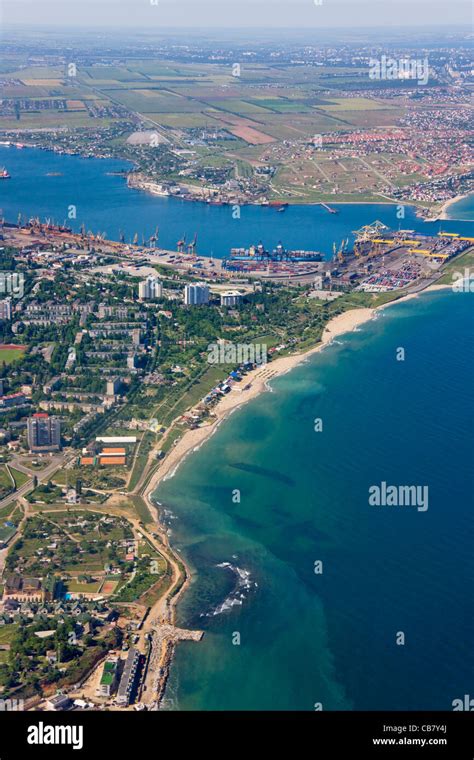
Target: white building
column 231, row 298
column 196, row 294
column 6, row 309
column 150, row 288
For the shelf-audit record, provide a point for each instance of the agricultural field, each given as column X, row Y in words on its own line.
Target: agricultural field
column 238, row 123
column 187, row 96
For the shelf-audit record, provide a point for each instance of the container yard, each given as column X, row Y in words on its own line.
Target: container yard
column 383, row 259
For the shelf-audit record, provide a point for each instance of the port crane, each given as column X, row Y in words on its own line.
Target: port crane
column 153, row 239
column 368, row 241
column 182, row 244
column 192, row 246
column 338, row 254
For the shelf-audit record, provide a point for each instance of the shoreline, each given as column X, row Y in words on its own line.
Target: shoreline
column 259, row 380
column 192, row 440
column 144, row 184
column 451, row 202
column 443, row 215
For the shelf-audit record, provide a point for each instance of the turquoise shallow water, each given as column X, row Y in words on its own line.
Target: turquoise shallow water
column 331, row 638
column 463, row 209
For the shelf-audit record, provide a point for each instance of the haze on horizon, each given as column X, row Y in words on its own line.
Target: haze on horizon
column 258, row 14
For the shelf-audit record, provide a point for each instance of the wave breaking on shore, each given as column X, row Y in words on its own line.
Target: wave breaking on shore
column 243, row 586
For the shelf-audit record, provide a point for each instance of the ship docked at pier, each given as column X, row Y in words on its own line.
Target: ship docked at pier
column 278, row 262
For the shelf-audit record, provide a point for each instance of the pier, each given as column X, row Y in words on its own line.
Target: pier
column 328, row 208
column 162, row 642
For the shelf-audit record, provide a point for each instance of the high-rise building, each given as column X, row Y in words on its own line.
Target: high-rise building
column 150, row 288
column 196, row 294
column 44, row 433
column 113, row 386
column 6, row 308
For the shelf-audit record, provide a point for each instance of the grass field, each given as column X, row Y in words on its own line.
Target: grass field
column 75, row 587
column 5, row 479
column 20, row 478
column 5, row 512
column 7, row 633
column 10, row 355
column 458, row 267
column 141, row 509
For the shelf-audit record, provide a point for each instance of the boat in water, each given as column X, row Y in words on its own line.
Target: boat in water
column 4, row 174
column 280, row 253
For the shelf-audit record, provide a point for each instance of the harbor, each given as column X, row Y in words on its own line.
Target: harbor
column 380, row 259
column 71, row 190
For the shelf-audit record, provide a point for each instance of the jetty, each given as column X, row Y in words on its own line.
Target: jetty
column 162, row 641
column 328, row 208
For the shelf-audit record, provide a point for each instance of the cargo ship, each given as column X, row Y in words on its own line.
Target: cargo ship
column 278, row 263
column 4, row 174
column 280, row 253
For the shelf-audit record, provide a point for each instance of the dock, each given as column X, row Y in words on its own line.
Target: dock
column 163, row 640
column 328, row 208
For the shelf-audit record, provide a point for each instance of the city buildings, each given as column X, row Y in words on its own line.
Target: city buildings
column 196, row 294
column 44, row 433
column 231, row 298
column 6, row 308
column 113, row 386
column 12, row 399
column 29, row 589
column 129, row 677
column 149, row 289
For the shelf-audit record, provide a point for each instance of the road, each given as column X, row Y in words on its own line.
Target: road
column 42, row 475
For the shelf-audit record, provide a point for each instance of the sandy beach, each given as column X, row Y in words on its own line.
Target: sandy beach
column 250, row 387
column 257, row 381
column 444, row 208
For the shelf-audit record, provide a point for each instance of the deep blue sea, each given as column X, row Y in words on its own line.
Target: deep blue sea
column 330, row 638
column 104, row 203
